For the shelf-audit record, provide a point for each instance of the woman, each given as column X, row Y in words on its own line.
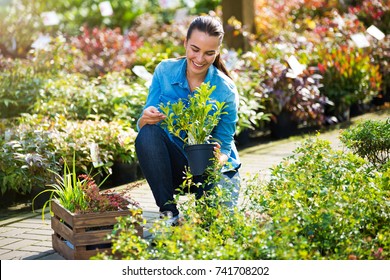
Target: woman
column 161, row 155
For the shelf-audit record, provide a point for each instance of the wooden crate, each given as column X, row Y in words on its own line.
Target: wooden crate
column 81, row 236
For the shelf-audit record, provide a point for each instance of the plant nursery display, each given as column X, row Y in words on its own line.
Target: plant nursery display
column 349, row 78
column 193, row 121
column 70, row 92
column 82, row 215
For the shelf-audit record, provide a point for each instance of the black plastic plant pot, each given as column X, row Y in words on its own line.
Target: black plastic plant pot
column 200, row 157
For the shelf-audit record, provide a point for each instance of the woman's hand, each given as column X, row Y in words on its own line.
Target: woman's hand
column 151, row 115
column 221, row 157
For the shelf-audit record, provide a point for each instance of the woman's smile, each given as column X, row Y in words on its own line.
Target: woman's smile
column 197, row 65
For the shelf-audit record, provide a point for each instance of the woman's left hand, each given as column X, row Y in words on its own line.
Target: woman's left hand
column 221, row 157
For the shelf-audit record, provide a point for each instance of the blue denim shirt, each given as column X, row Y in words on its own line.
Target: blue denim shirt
column 169, row 84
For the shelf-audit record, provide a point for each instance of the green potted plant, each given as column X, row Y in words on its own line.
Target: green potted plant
column 349, row 77
column 193, row 121
column 292, row 100
column 27, row 152
column 369, row 139
column 82, row 215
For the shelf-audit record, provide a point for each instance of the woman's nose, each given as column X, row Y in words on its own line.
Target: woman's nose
column 199, row 57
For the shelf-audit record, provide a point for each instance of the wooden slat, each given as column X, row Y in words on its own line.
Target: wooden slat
column 60, row 247
column 98, row 219
column 62, row 213
column 83, row 231
column 86, row 255
column 62, row 230
column 92, row 238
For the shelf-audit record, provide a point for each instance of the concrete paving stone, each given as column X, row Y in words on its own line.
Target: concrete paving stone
column 149, row 214
column 6, row 228
column 143, row 199
column 19, row 244
column 13, row 255
column 150, row 206
column 26, row 224
column 44, row 243
column 46, row 231
column 34, row 237
column 42, row 224
column 39, row 221
column 14, row 232
column 3, row 251
column 9, row 240
column 37, row 249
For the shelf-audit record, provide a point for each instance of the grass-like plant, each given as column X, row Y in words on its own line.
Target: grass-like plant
column 69, row 189
column 193, row 120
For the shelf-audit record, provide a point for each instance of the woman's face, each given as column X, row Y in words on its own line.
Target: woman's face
column 201, row 51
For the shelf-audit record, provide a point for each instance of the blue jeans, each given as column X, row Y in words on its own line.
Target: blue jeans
column 163, row 164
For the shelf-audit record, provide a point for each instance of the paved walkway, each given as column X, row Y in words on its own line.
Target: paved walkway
column 28, row 237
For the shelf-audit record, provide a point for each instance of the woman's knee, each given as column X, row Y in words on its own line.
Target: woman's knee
column 148, row 136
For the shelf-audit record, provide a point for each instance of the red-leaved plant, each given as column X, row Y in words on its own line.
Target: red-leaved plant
column 80, row 194
column 107, row 200
column 104, row 50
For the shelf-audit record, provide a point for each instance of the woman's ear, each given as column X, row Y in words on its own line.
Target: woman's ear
column 185, row 43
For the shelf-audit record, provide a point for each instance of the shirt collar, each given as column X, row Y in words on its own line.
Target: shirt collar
column 181, row 77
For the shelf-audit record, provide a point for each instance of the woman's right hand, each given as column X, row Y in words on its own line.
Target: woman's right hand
column 151, row 115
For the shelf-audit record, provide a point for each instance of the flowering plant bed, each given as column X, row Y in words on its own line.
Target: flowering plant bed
column 81, row 236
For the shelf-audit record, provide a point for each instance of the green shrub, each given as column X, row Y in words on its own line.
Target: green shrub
column 19, row 88
column 97, row 144
column 20, row 25
column 326, row 204
column 250, row 111
column 211, row 231
column 369, row 139
column 76, row 13
column 113, row 96
column 37, row 144
column 160, row 40
column 25, row 157
column 55, row 58
column 317, row 204
column 69, row 94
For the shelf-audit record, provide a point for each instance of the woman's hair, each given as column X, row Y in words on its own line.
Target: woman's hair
column 212, row 27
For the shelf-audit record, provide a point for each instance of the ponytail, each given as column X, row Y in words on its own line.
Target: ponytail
column 218, row 62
